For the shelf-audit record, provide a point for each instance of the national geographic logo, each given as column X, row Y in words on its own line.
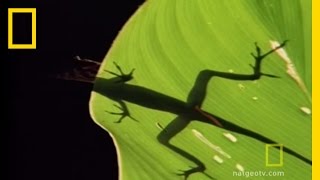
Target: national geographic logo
column 23, row 11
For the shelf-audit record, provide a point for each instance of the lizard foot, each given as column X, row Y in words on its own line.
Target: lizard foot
column 259, row 57
column 123, row 114
column 123, row 76
column 187, row 173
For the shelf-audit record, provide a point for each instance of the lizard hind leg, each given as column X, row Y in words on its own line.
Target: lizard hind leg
column 171, row 130
column 198, row 92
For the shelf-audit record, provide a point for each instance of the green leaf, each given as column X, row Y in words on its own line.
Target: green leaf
column 169, row 42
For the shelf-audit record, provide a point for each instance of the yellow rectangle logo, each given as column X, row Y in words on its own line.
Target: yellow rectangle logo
column 272, row 164
column 10, row 28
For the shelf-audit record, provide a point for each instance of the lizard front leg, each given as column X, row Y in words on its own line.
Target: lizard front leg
column 125, row 112
column 123, row 77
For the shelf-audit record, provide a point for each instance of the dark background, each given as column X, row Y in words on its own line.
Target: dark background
column 47, row 132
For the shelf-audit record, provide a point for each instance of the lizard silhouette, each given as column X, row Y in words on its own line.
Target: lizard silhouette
column 117, row 90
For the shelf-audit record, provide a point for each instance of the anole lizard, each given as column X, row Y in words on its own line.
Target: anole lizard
column 117, row 90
